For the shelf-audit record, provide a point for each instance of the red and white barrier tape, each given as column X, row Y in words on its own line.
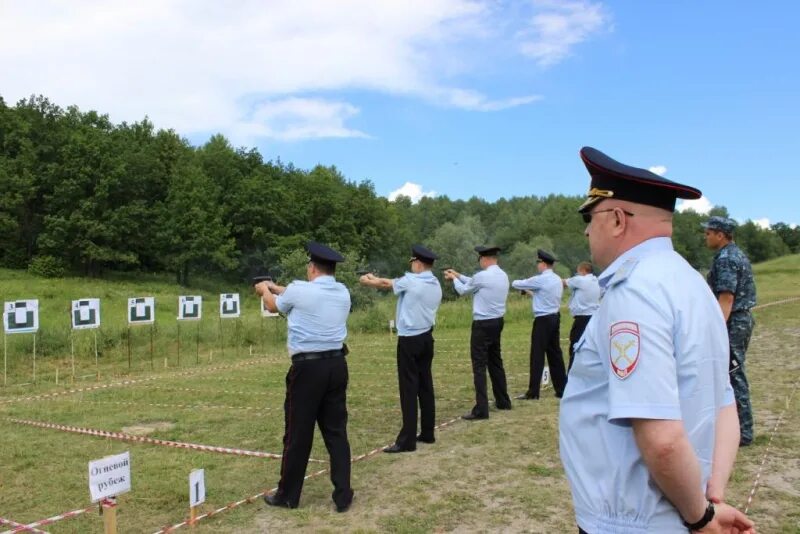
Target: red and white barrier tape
column 252, row 499
column 775, row 303
column 24, row 528
column 213, row 391
column 130, row 382
column 766, row 451
column 152, row 441
column 55, row 518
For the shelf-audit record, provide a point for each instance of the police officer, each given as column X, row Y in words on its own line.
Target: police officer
column 731, row 280
column 547, row 289
column 583, row 302
column 648, row 409
column 418, row 296
column 316, row 384
column 489, row 288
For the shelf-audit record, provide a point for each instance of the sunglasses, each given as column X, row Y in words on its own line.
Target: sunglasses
column 587, row 216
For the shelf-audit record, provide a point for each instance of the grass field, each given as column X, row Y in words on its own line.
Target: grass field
column 503, row 474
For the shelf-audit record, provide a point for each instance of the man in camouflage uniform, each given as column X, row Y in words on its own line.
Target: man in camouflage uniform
column 731, row 280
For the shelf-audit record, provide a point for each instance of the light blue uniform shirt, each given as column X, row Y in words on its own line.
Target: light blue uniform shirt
column 419, row 295
column 490, row 290
column 657, row 348
column 585, row 298
column 547, row 290
column 316, row 314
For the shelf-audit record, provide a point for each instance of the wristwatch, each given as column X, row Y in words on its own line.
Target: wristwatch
column 705, row 520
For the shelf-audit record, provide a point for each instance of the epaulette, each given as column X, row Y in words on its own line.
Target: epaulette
column 623, row 272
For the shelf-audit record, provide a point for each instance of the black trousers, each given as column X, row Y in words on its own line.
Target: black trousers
column 545, row 339
column 579, row 323
column 485, row 354
column 316, row 392
column 414, row 358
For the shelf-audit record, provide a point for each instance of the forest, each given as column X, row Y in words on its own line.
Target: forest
column 80, row 195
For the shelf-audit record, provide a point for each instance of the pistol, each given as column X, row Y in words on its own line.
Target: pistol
column 259, row 279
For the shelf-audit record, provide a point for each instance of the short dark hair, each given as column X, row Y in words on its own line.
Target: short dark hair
column 586, row 266
column 324, row 267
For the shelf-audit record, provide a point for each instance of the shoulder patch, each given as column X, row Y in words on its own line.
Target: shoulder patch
column 624, row 348
column 623, row 272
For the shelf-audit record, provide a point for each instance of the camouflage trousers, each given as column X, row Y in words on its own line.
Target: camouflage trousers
column 740, row 328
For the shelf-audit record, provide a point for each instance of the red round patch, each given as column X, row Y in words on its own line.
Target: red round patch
column 624, row 348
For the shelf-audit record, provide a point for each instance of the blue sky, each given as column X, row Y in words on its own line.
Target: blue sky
column 457, row 97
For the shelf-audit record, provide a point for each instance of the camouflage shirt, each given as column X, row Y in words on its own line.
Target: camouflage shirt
column 731, row 272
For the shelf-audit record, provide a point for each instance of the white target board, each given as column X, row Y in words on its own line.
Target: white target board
column 21, row 317
column 190, row 308
column 141, row 310
column 229, row 305
column 85, row 314
column 265, row 312
column 546, row 376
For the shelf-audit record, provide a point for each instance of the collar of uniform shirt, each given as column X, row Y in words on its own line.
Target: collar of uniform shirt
column 323, row 278
column 651, row 245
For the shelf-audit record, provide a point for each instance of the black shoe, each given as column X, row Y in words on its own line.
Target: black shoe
column 526, row 396
column 426, row 440
column 473, row 417
column 275, row 500
column 345, row 507
column 397, row 448
column 745, row 442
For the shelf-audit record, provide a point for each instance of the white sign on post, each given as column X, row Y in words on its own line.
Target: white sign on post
column 21, row 317
column 546, row 376
column 197, row 487
column 190, row 308
column 229, row 305
column 110, row 476
column 85, row 314
column 141, row 310
column 265, row 312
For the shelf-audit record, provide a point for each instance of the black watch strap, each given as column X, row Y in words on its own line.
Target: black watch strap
column 705, row 520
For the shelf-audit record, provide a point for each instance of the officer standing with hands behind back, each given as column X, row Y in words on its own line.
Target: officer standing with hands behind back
column 489, row 290
column 583, row 302
column 316, row 384
column 418, row 297
column 648, row 429
column 547, row 289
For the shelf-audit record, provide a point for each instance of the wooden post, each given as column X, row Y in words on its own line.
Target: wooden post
column 151, row 347
column 179, row 344
column 5, row 359
column 34, row 357
column 129, row 348
column 192, row 516
column 96, row 357
column 72, row 353
column 109, row 510
column 221, row 338
column 197, row 344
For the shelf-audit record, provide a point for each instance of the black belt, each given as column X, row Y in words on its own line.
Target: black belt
column 740, row 311
column 322, row 355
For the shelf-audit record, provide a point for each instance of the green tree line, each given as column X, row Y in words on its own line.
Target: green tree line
column 79, row 194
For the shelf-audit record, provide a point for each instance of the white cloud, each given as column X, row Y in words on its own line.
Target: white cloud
column 658, row 169
column 702, row 205
column 267, row 68
column 559, row 26
column 412, row 191
column 300, row 118
column 762, row 223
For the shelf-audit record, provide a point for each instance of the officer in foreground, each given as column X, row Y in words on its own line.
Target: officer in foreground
column 583, row 302
column 489, row 288
column 547, row 289
column 418, row 297
column 316, row 384
column 731, row 280
column 648, row 409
